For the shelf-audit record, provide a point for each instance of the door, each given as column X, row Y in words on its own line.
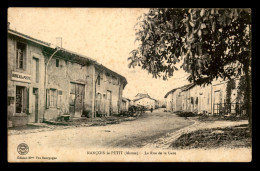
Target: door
column 76, row 99
column 109, row 103
column 79, row 100
column 216, row 102
column 72, row 99
column 36, row 109
column 33, row 117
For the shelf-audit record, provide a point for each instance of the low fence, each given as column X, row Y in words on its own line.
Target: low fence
column 228, row 108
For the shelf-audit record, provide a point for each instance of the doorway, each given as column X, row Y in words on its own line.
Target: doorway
column 36, row 104
column 33, row 118
column 109, row 103
column 77, row 92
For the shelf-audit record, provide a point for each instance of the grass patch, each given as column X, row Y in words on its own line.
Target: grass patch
column 230, row 137
column 185, row 114
column 222, row 117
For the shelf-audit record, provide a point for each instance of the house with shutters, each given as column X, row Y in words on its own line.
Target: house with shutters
column 175, row 99
column 207, row 99
column 46, row 81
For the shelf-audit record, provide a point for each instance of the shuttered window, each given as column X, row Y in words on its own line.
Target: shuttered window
column 47, row 98
column 51, row 98
column 59, row 102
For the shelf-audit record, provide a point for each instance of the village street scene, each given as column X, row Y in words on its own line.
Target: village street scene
column 119, row 78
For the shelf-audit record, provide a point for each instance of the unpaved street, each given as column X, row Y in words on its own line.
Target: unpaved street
column 137, row 133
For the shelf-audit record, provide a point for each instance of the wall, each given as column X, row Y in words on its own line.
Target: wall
column 32, row 51
column 107, row 84
column 147, row 102
column 59, row 78
column 169, row 102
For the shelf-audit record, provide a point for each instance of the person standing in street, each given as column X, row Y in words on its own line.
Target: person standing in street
column 151, row 109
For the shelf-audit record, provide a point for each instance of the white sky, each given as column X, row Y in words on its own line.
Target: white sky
column 104, row 34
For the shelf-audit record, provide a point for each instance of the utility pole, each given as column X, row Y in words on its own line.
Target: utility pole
column 45, row 80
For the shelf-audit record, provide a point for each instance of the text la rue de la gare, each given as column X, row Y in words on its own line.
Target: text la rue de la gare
column 130, row 153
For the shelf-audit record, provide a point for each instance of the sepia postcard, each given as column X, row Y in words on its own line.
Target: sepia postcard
column 129, row 85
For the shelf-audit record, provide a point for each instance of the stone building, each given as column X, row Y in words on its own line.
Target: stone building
column 125, row 104
column 210, row 99
column 46, row 81
column 145, row 100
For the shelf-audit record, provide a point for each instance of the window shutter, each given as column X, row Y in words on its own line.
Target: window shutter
column 25, row 99
column 28, row 101
column 47, row 98
column 59, row 98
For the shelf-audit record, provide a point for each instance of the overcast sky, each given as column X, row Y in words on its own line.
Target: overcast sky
column 104, row 34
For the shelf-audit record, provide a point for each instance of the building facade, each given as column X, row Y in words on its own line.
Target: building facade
column 125, row 104
column 207, row 99
column 148, row 102
column 45, row 82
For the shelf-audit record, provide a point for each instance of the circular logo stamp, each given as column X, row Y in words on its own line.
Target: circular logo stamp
column 23, row 149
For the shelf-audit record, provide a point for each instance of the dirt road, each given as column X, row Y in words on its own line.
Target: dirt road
column 134, row 134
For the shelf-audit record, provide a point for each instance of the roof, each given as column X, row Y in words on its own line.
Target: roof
column 142, row 95
column 73, row 56
column 143, row 98
column 187, row 87
column 16, row 33
column 112, row 72
column 124, row 98
column 183, row 88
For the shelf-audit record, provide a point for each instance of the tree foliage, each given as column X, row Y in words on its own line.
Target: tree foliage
column 208, row 43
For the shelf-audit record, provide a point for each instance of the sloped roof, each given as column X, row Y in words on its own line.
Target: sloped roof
column 124, row 98
column 16, row 33
column 142, row 95
column 73, row 56
column 187, row 87
column 183, row 88
column 143, row 98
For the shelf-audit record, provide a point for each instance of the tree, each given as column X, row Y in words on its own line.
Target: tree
column 209, row 44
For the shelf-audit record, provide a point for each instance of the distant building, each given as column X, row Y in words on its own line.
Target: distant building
column 145, row 100
column 140, row 95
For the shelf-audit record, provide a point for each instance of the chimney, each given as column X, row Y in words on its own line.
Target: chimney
column 59, row 42
column 8, row 25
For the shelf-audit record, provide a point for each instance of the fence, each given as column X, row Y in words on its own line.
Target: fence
column 228, row 108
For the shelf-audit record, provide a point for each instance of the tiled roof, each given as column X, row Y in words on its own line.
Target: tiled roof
column 143, row 98
column 80, row 58
column 183, row 88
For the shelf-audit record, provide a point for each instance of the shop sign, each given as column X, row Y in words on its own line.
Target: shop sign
column 16, row 76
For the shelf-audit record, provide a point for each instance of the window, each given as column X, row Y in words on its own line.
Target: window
column 98, row 80
column 101, row 75
column 59, row 102
column 20, row 55
column 197, row 100
column 108, row 77
column 21, row 99
column 36, row 69
column 105, row 77
column 57, row 62
column 114, row 80
column 51, row 98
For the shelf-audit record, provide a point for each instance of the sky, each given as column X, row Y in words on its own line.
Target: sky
column 106, row 35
